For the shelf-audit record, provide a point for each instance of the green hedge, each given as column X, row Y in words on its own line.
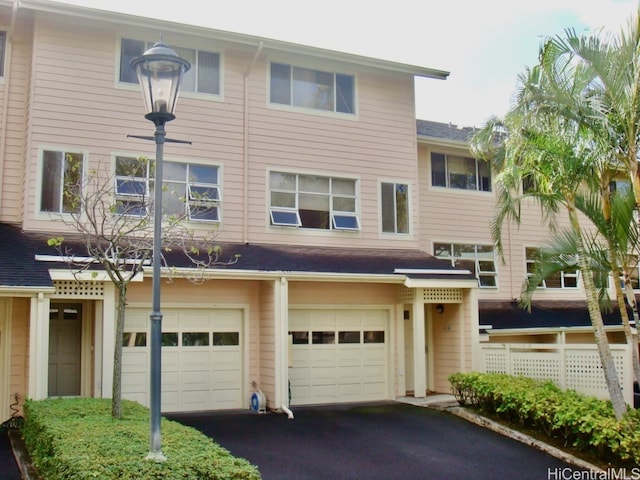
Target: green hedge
column 583, row 422
column 76, row 439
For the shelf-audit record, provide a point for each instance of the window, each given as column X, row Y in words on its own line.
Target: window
column 308, row 88
column 394, row 198
column 134, row 339
column 463, row 173
column 349, row 337
column 567, row 278
column 3, row 43
column 323, row 338
column 195, row 339
column 190, row 190
column 226, row 339
column 300, row 338
column 61, row 181
column 479, row 259
column 202, row 77
column 311, row 201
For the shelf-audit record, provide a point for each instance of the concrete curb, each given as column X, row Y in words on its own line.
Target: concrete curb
column 27, row 470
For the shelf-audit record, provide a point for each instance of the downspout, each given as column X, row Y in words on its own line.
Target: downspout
column 7, row 81
column 245, row 148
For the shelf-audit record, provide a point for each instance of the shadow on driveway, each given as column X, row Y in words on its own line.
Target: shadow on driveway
column 372, row 441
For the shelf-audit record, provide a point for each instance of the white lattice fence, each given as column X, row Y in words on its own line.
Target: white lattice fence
column 571, row 367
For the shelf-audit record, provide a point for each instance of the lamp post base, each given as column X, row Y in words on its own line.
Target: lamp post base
column 157, row 457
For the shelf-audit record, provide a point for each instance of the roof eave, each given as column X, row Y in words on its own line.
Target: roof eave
column 232, row 37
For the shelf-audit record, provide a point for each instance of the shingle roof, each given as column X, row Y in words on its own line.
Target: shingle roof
column 544, row 314
column 301, row 259
column 18, row 266
column 352, row 260
column 444, row 131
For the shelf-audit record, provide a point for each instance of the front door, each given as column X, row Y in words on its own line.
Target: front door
column 65, row 349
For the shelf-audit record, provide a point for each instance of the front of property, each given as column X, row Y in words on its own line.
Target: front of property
column 309, row 161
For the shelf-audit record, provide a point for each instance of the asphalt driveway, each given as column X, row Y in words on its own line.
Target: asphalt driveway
column 383, row 441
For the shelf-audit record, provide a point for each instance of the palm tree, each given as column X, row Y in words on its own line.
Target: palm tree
column 556, row 155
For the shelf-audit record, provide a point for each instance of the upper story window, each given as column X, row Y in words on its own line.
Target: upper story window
column 3, row 44
column 202, row 77
column 567, row 278
column 479, row 258
column 465, row 173
column 394, row 199
column 189, row 189
column 312, row 201
column 61, row 181
column 316, row 89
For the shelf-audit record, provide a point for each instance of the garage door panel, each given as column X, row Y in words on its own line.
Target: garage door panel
column 196, row 375
column 193, row 379
column 349, row 371
column 137, row 320
column 226, row 360
column 322, row 356
column 350, row 392
column 194, row 359
column 195, row 320
column 323, row 376
column 170, row 320
column 135, row 360
column 349, row 356
column 224, row 380
column 322, row 394
column 374, row 390
column 349, row 375
column 227, row 398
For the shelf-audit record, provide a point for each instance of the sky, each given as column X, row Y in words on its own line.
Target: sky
column 484, row 44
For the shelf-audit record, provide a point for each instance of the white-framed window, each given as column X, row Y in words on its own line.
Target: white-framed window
column 463, row 173
column 61, row 181
column 202, row 77
column 567, row 278
column 394, row 203
column 189, row 189
column 3, row 47
column 313, row 201
column 480, row 259
column 309, row 88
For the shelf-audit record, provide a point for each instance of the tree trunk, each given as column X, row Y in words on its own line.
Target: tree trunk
column 116, row 392
column 606, row 358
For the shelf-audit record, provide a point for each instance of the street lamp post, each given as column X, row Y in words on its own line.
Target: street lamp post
column 160, row 72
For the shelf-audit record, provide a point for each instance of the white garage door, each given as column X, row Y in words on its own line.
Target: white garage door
column 338, row 356
column 201, row 359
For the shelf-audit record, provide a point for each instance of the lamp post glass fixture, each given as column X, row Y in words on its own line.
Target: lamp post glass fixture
column 160, row 72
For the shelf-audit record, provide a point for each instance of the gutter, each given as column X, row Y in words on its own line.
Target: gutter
column 26, row 291
column 245, row 147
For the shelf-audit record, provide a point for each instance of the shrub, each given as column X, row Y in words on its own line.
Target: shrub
column 584, row 422
column 77, row 439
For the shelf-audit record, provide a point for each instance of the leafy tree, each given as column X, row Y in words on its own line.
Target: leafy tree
column 115, row 235
column 555, row 157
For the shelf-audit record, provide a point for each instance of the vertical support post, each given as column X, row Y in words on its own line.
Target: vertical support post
column 39, row 347
column 419, row 348
column 155, row 437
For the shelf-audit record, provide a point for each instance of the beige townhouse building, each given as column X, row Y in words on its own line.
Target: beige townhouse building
column 313, row 158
